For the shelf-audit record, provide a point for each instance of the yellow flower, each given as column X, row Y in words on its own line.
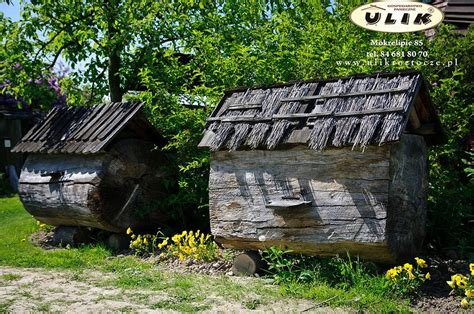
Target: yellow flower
column 129, row 231
column 145, row 241
column 133, row 236
column 398, row 269
column 464, row 303
column 460, row 280
column 408, row 267
column 471, row 268
column 410, row 275
column 462, row 284
column 469, row 293
column 163, row 244
column 451, row 283
column 176, row 238
column 421, row 262
column 391, row 273
column 428, row 276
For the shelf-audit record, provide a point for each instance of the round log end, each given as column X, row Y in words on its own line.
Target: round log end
column 118, row 241
column 247, row 263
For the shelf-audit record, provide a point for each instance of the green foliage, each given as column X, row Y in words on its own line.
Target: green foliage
column 338, row 272
column 344, row 273
column 337, row 281
column 167, row 51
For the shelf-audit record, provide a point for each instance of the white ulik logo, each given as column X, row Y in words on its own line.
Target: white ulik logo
column 397, row 16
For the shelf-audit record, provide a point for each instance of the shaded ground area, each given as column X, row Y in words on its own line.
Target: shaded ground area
column 32, row 290
column 436, row 296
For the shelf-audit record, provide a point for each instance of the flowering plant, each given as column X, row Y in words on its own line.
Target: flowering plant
column 407, row 278
column 464, row 285
column 187, row 244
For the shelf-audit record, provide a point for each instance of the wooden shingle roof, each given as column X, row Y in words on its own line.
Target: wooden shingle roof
column 457, row 12
column 82, row 130
column 353, row 111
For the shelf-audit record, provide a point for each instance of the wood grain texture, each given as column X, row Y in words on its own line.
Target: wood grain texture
column 102, row 190
column 406, row 219
column 348, row 191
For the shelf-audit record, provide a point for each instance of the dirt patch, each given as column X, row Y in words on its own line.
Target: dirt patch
column 436, row 295
column 33, row 290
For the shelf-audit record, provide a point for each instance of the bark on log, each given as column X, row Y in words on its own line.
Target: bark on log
column 105, row 191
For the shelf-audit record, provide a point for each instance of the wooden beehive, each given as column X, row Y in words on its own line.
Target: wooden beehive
column 323, row 167
column 93, row 167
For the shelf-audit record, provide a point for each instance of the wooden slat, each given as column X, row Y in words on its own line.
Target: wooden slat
column 98, row 111
column 84, row 122
column 117, row 128
column 105, row 111
column 246, row 107
column 362, row 93
column 75, row 129
column 107, row 118
column 239, row 119
column 460, row 9
column 47, row 124
column 459, row 2
column 304, row 115
column 450, row 20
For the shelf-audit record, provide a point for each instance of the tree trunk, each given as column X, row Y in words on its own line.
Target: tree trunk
column 114, row 54
column 114, row 77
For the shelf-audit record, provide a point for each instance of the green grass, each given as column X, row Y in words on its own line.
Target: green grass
column 185, row 292
column 16, row 250
column 5, row 306
column 10, row 277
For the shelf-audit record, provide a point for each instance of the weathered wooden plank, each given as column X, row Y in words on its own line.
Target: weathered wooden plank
column 75, row 168
column 115, row 111
column 105, row 111
column 360, row 230
column 406, row 216
column 342, row 185
column 263, row 195
column 362, row 93
column 92, row 123
column 372, row 251
column 242, row 184
column 94, row 190
column 255, row 118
